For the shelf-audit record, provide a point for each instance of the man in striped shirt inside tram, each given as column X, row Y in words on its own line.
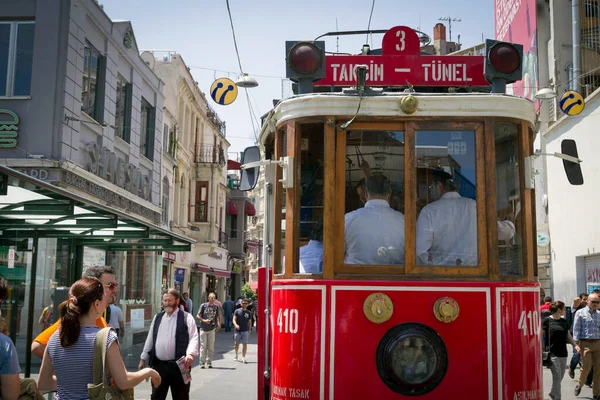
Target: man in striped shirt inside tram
column 586, row 332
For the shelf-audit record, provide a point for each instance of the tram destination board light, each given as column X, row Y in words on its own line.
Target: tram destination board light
column 503, row 64
column 305, row 63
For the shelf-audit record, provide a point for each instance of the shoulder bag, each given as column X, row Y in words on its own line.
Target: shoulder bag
column 100, row 390
column 546, row 360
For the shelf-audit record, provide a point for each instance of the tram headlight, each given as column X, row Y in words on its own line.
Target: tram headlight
column 503, row 61
column 305, row 63
column 412, row 359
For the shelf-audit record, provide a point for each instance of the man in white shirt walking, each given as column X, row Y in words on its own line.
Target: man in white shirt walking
column 172, row 335
column 375, row 234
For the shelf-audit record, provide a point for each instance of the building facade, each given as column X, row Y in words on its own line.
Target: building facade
column 199, row 180
column 82, row 162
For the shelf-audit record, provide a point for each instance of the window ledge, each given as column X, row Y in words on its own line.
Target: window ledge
column 15, row 97
column 146, row 161
column 122, row 141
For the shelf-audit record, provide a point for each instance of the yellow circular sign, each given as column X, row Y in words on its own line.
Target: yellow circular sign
column 223, row 91
column 378, row 307
column 571, row 102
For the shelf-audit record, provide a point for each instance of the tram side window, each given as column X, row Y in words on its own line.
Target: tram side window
column 508, row 200
column 374, row 220
column 280, row 151
column 311, row 159
column 446, row 198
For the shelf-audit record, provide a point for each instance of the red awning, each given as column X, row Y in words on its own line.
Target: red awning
column 233, row 165
column 231, row 208
column 253, row 285
column 249, row 208
column 211, row 271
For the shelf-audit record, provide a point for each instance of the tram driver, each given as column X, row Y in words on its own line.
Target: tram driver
column 447, row 227
column 375, row 234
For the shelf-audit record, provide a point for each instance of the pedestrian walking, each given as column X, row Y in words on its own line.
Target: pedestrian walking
column 172, row 336
column 556, row 331
column 188, row 302
column 67, row 366
column 210, row 322
column 586, row 332
column 228, row 308
column 242, row 321
column 106, row 275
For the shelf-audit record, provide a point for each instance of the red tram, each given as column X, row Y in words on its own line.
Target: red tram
column 402, row 320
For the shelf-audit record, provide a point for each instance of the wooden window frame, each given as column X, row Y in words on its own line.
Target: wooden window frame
column 198, row 201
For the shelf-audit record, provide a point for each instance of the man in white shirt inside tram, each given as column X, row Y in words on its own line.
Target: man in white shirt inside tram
column 311, row 255
column 375, row 234
column 447, row 227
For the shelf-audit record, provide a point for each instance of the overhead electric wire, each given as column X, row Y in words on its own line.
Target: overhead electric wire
column 237, row 52
column 369, row 26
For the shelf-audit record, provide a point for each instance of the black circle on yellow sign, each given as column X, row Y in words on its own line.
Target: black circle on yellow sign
column 223, row 91
column 571, row 102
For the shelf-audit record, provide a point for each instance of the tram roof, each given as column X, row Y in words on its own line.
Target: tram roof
column 386, row 104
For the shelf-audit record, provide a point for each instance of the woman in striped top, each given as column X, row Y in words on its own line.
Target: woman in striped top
column 68, row 361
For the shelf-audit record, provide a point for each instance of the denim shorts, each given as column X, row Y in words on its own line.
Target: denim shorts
column 241, row 337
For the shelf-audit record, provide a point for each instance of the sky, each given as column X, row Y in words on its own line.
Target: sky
column 201, row 32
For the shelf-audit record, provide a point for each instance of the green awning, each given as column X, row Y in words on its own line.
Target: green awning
column 29, row 205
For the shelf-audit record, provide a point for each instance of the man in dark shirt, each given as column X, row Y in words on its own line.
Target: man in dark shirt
column 210, row 322
column 242, row 322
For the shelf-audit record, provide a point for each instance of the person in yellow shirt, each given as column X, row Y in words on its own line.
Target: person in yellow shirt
column 106, row 275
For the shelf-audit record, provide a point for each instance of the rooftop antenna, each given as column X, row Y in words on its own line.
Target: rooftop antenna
column 450, row 21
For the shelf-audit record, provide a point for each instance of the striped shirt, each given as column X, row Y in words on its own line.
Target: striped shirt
column 587, row 324
column 74, row 365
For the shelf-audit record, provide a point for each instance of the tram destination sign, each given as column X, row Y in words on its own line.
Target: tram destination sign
column 401, row 63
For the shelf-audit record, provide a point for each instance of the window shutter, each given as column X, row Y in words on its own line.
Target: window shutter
column 127, row 117
column 100, row 90
column 151, row 133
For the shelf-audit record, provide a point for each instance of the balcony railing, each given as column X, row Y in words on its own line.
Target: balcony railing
column 209, row 154
column 223, row 240
column 216, row 121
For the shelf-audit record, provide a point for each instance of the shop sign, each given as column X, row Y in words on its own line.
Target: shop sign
column 137, row 318
column 93, row 257
column 107, row 165
column 101, row 192
column 9, row 122
column 179, row 274
column 169, row 256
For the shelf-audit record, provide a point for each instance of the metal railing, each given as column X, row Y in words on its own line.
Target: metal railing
column 209, row 154
column 590, row 47
column 214, row 119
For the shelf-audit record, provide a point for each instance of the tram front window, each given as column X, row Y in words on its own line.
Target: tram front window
column 508, row 200
column 446, row 198
column 374, row 220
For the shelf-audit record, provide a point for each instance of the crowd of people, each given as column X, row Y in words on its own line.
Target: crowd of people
column 577, row 325
column 66, row 347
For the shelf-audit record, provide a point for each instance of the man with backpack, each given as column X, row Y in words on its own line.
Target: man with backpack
column 210, row 322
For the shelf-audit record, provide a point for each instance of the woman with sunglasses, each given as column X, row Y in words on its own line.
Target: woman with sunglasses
column 70, row 351
column 555, row 331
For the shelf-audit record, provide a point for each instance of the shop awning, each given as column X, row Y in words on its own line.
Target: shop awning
column 233, row 165
column 249, row 208
column 31, row 207
column 253, row 285
column 231, row 208
column 211, row 271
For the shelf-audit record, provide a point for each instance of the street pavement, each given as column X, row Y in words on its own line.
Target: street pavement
column 227, row 379
column 568, row 385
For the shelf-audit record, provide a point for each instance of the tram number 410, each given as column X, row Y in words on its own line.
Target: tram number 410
column 529, row 323
column 287, row 320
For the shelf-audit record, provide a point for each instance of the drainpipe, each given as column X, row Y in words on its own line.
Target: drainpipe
column 576, row 6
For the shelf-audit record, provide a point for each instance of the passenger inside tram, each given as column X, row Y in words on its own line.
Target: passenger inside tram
column 311, row 254
column 375, row 234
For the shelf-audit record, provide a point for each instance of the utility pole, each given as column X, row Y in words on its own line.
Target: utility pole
column 450, row 21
